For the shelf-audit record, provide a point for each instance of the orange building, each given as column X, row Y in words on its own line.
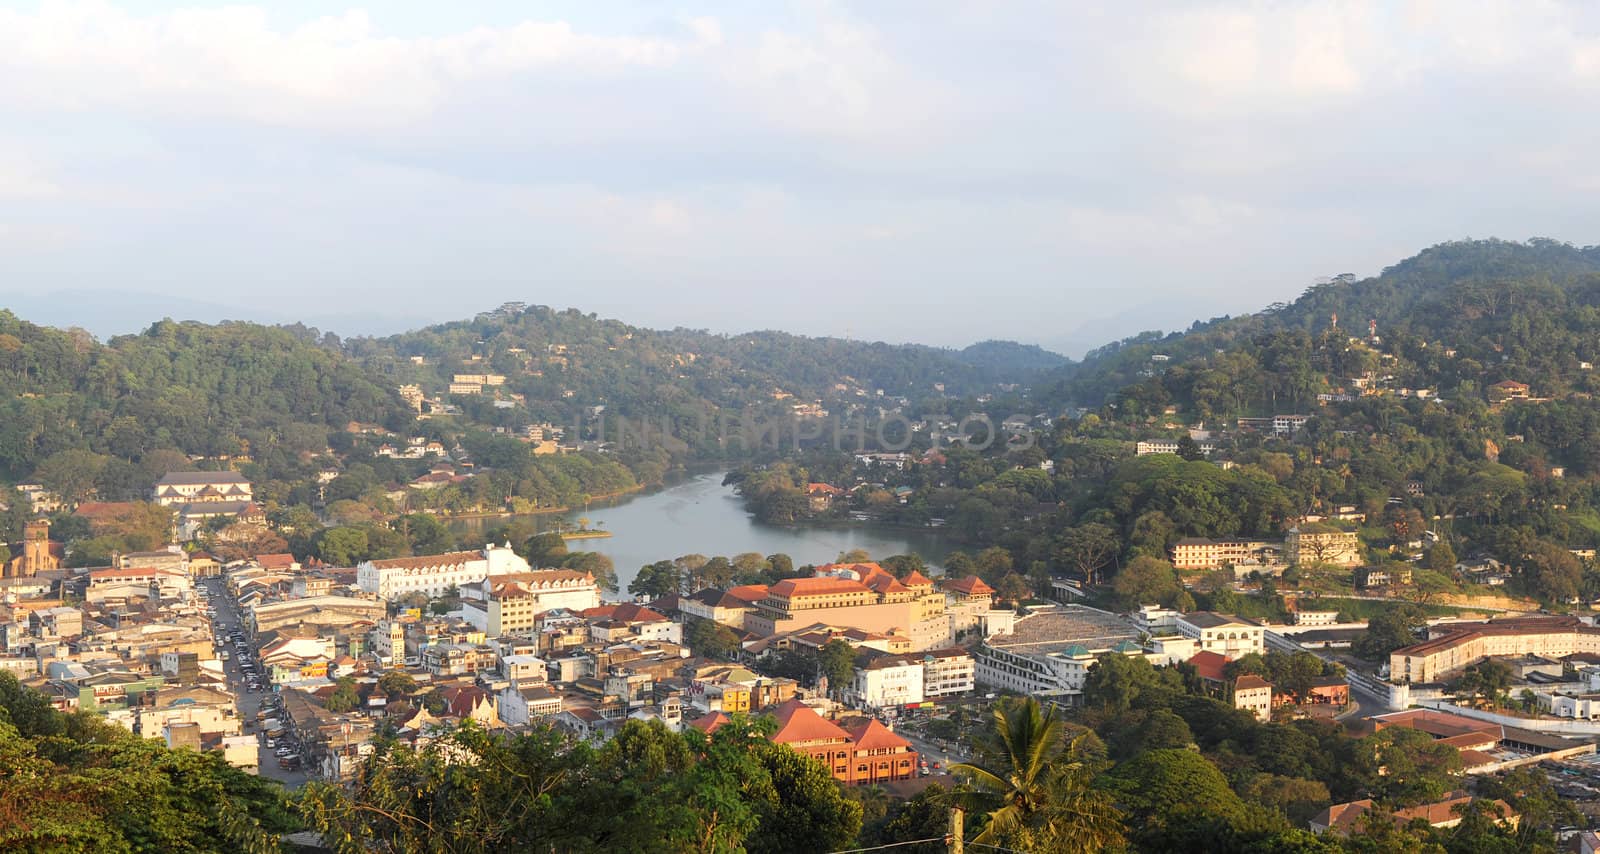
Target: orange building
column 866, row 754
column 863, row 595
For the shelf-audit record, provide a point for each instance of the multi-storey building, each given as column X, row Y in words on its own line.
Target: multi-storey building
column 1195, row 553
column 1049, row 653
column 862, row 595
column 866, row 753
column 512, row 602
column 433, row 575
column 1322, row 544
column 1228, row 636
column 947, row 673
column 181, row 488
column 1452, row 647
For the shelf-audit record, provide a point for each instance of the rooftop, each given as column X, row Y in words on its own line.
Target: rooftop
column 1069, row 625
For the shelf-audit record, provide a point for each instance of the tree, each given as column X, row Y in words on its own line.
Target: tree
column 344, row 697
column 596, row 564
column 1440, row 558
column 1159, row 788
column 1389, row 631
column 1189, row 449
column 712, row 639
column 837, row 661
column 72, row 473
column 1415, row 769
column 397, row 683
column 655, row 580
column 1087, row 549
column 782, row 565
column 1033, row 786
column 1115, row 683
column 1147, row 580
column 1012, row 587
column 545, row 550
column 342, row 546
column 804, row 809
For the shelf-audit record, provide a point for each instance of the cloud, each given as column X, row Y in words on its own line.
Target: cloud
column 764, row 164
column 233, row 62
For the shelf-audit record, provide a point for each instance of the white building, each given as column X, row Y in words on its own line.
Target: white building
column 522, row 703
column 512, row 602
column 1049, row 653
column 883, row 681
column 948, row 672
column 434, row 575
column 1228, row 636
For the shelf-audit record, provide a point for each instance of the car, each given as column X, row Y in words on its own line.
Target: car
column 223, row 655
column 284, row 751
column 272, row 742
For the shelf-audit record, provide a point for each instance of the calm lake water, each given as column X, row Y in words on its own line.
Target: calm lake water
column 700, row 515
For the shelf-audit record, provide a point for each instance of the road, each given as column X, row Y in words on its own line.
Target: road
column 227, row 621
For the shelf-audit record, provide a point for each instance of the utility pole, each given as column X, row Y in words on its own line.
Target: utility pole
column 955, row 844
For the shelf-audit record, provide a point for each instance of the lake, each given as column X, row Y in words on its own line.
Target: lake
column 700, row 515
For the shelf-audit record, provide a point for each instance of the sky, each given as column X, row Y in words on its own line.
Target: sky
column 1057, row 173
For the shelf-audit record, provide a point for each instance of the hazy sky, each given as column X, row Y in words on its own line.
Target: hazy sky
column 942, row 172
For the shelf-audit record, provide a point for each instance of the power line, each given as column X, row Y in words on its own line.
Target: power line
column 892, row 845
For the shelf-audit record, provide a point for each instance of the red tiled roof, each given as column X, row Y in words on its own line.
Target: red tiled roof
column 972, row 585
column 916, row 579
column 708, row 723
column 797, row 722
column 749, row 592
column 626, row 613
column 420, row 561
column 1209, row 665
column 876, row 736
column 886, row 584
column 277, row 560
column 789, row 588
column 1250, row 681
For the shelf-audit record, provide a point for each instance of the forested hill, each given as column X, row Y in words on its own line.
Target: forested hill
column 1506, row 309
column 563, row 360
column 199, row 389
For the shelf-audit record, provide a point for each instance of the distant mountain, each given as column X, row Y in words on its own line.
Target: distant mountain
column 1509, row 309
column 564, row 361
column 1005, row 358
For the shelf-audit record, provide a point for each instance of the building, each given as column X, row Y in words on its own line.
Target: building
column 863, row 595
column 1386, row 575
column 868, row 753
column 1452, row 647
column 1254, row 695
column 1049, row 653
column 1316, row 618
column 1506, row 390
column 514, row 600
column 948, row 672
column 332, row 611
column 1196, row 553
column 882, row 680
column 1319, row 543
column 181, row 488
column 522, row 703
column 434, row 575
column 1168, row 446
column 727, row 607
column 1343, row 819
column 36, row 553
column 1228, row 636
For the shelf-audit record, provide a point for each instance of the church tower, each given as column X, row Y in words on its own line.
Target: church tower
column 35, row 549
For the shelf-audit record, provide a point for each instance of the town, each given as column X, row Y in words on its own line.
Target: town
column 292, row 670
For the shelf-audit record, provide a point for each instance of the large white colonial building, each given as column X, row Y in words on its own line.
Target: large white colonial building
column 433, row 575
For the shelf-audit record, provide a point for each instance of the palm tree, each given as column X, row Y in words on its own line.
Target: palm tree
column 1035, row 785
